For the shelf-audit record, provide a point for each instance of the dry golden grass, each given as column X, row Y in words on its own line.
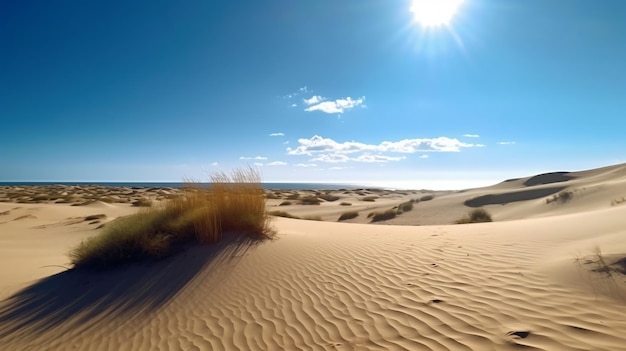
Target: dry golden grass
column 477, row 215
column 235, row 203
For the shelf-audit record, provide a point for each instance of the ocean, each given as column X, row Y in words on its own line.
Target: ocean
column 277, row 186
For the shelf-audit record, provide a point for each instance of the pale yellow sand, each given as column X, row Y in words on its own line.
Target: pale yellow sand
column 524, row 283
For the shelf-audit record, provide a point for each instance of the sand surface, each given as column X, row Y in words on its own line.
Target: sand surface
column 538, row 278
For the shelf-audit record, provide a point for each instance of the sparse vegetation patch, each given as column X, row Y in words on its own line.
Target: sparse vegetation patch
column 562, row 197
column 384, row 216
column 233, row 204
column 477, row 215
column 310, row 200
column 348, row 215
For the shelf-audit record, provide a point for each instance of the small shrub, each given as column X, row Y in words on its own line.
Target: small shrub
column 348, row 215
column 369, row 198
column 562, row 197
column 478, row 215
column 328, row 197
column 285, row 203
column 312, row 218
column 426, row 198
column 143, row 202
column 345, row 204
column 294, row 196
column 406, row 206
column 383, row 216
column 310, row 200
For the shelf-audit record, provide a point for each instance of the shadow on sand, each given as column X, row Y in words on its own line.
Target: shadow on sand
column 81, row 298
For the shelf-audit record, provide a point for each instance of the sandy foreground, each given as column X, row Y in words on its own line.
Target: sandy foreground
column 540, row 277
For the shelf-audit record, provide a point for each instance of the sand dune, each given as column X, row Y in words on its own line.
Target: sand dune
column 535, row 280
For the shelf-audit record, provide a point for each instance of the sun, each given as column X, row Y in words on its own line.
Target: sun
column 434, row 13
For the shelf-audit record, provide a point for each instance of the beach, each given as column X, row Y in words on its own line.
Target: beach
column 546, row 274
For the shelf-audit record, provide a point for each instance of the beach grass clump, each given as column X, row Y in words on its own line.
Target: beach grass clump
column 328, row 197
column 348, row 215
column 233, row 204
column 405, row 206
column 477, row 215
column 369, row 198
column 426, row 198
column 562, row 197
column 310, row 200
column 293, row 196
column 384, row 216
column 285, row 203
column 345, row 204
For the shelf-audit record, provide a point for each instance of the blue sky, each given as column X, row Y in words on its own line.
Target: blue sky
column 350, row 91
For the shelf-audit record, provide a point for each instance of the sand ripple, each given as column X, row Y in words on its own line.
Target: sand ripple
column 385, row 289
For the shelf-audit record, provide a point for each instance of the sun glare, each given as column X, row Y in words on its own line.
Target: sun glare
column 433, row 13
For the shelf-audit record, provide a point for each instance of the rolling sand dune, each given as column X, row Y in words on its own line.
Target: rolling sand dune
column 535, row 279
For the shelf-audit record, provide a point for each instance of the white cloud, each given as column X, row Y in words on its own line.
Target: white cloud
column 328, row 150
column 507, row 143
column 318, row 144
column 277, row 163
column 305, row 165
column 277, row 134
column 253, row 158
column 214, row 164
column 313, row 100
column 441, row 144
column 294, row 105
column 471, row 135
column 331, row 158
column 258, row 164
column 337, row 106
column 304, row 89
column 336, row 168
column 377, row 158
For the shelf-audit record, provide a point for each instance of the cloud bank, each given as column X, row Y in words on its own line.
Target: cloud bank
column 328, row 150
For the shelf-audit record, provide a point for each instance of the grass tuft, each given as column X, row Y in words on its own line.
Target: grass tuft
column 477, row 215
column 235, row 203
column 310, row 200
column 383, row 216
column 405, row 206
column 348, row 215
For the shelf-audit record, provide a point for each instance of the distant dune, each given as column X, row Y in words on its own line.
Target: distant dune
column 547, row 274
